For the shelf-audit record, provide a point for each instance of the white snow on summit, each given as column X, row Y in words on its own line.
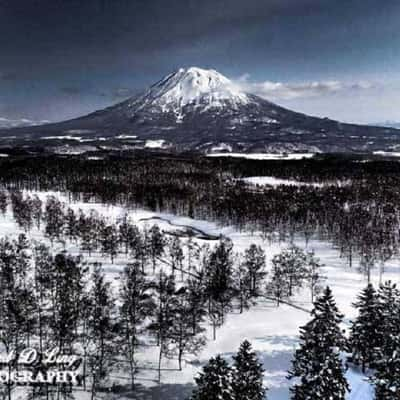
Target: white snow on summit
column 194, row 86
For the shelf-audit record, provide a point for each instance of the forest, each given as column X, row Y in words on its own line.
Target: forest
column 172, row 287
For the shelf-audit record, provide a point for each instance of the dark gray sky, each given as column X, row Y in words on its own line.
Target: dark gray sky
column 336, row 58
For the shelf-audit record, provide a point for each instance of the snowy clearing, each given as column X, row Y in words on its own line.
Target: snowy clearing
column 155, row 144
column 387, row 153
column 273, row 181
column 265, row 156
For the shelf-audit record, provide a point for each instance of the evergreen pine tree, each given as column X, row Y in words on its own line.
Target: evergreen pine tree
column 366, row 332
column 219, row 277
column 247, row 375
column 214, row 382
column 387, row 373
column 387, row 364
column 316, row 364
column 389, row 307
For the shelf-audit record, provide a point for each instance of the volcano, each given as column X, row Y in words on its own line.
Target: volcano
column 202, row 110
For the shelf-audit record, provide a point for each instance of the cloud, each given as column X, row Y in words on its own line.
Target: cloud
column 288, row 91
column 20, row 122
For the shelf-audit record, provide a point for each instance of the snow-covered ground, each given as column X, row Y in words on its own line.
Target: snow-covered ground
column 265, row 156
column 272, row 331
column 387, row 153
column 273, row 181
column 155, row 144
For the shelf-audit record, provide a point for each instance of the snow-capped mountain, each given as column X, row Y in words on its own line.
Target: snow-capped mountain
column 198, row 109
column 194, row 87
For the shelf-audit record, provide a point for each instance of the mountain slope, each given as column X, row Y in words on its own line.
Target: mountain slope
column 202, row 110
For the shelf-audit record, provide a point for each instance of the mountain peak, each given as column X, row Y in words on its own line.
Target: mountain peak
column 196, row 87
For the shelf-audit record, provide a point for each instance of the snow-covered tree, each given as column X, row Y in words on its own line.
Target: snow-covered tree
column 387, row 373
column 22, row 210
column 186, row 333
column 37, row 211
column 313, row 274
column 387, row 363
column 242, row 284
column 389, row 307
column 214, row 382
column 42, row 269
column 193, row 253
column 89, row 228
column 254, row 264
column 176, row 256
column 54, row 218
column 109, row 241
column 3, row 201
column 102, row 347
column 67, row 284
column 277, row 286
column 292, row 263
column 366, row 334
column 137, row 305
column 196, row 298
column 124, row 228
column 219, row 277
column 15, row 295
column 71, row 225
column 164, row 316
column 247, row 375
column 138, row 245
column 316, row 365
column 156, row 244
